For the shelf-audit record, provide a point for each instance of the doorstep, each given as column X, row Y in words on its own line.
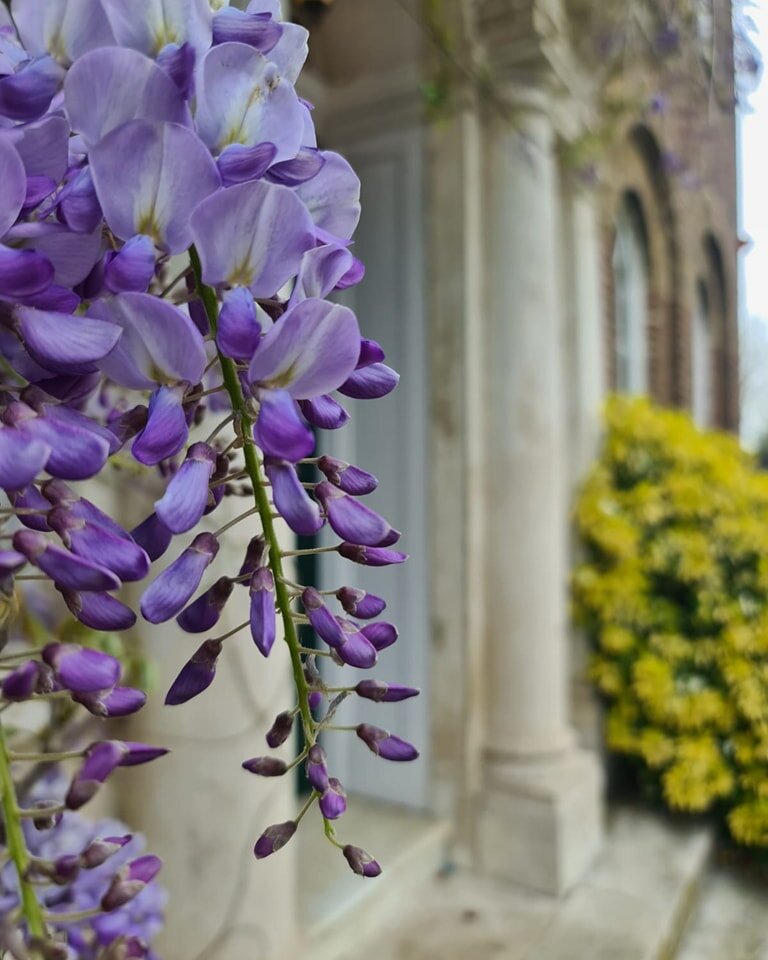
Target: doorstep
column 633, row 904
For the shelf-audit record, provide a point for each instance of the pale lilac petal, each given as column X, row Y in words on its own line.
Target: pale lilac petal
column 333, row 197
column 280, row 431
column 38, row 189
column 14, row 180
column 149, row 176
column 322, row 268
column 291, row 500
column 252, row 235
column 242, row 98
column 98, row 99
column 64, row 343
column 23, row 273
column 290, row 51
column 77, row 453
column 311, row 350
column 43, row 148
column 132, row 268
column 64, row 28
column 160, row 22
column 159, row 342
column 166, row 431
column 239, row 164
column 73, row 255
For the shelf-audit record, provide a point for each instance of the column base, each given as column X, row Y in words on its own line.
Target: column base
column 542, row 821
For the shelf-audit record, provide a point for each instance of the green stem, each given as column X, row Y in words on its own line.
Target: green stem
column 263, row 506
column 16, row 844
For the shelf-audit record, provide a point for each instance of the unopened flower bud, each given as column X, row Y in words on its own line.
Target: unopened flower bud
column 362, row 863
column 274, row 838
column 280, row 729
column 99, row 851
column 317, row 770
column 129, row 881
column 253, row 557
column 370, row 556
column 265, row 766
column 359, row 604
column 347, row 477
column 196, row 675
column 382, row 692
column 333, row 802
column 384, row 744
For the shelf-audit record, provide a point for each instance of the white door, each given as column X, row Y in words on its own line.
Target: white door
column 388, row 437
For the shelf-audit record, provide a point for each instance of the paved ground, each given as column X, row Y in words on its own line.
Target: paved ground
column 731, row 919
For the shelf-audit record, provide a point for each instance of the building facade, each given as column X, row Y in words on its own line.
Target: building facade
column 512, row 286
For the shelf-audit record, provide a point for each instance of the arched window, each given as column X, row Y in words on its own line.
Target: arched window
column 701, row 357
column 630, row 298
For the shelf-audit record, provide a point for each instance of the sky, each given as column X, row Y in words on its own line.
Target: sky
column 754, row 183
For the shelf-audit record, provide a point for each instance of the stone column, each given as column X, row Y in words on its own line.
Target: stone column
column 540, row 822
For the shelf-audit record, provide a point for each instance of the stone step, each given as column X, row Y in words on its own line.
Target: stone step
column 633, row 904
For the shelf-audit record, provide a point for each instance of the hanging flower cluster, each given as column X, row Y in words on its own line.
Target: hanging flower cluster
column 169, row 234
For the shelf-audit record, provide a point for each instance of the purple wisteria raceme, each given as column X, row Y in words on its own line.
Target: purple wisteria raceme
column 171, row 238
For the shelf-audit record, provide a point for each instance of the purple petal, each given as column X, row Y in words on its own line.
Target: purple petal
column 21, row 458
column 309, row 351
column 324, row 412
column 81, row 669
column 370, row 352
column 232, row 25
column 153, row 536
column 358, row 603
column 293, row 503
column 140, row 753
column 166, row 430
column 239, row 164
column 196, row 675
column 380, row 634
column 317, row 768
column 333, row 802
column 371, row 556
column 356, row 649
column 76, row 452
column 274, row 838
column 323, row 622
column 204, row 613
column 38, row 188
column 370, row 383
column 93, row 542
column 10, row 562
column 176, row 584
column 64, row 343
column 333, row 197
column 186, row 496
column 67, row 571
column 381, row 692
column 263, row 617
column 132, row 268
column 120, row 702
column 307, row 163
column 21, row 683
column 42, row 147
column 73, row 255
column 385, row 745
column 253, row 234
column 280, row 431
column 351, row 519
column 242, row 98
column 149, row 177
column 27, row 94
column 98, row 99
column 253, row 557
column 102, row 758
column 79, row 206
column 362, row 863
column 239, row 329
column 346, row 477
column 160, row 344
column 99, row 611
column 179, row 63
column 23, row 273
column 30, row 499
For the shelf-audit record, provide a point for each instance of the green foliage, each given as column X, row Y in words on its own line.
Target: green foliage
column 673, row 594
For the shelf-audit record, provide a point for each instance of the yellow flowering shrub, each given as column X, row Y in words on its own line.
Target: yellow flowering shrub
column 673, row 595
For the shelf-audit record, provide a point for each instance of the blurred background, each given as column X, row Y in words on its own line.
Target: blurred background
column 564, row 201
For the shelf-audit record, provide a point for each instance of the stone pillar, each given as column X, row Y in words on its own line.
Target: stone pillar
column 540, row 823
